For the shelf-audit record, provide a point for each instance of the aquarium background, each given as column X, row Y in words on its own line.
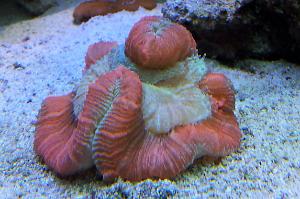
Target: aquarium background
column 44, row 55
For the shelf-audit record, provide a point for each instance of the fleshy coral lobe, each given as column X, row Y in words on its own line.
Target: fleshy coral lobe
column 96, row 51
column 65, row 142
column 221, row 130
column 56, row 137
column 220, row 88
column 156, row 43
column 92, row 8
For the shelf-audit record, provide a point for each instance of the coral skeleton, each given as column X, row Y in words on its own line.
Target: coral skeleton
column 134, row 121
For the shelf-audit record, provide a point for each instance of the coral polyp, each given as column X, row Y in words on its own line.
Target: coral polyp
column 92, row 8
column 135, row 122
column 155, row 42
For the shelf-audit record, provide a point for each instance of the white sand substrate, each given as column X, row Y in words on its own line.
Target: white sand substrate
column 45, row 55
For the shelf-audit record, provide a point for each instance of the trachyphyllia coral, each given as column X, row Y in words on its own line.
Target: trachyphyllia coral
column 65, row 141
column 135, row 122
column 92, row 8
column 155, row 42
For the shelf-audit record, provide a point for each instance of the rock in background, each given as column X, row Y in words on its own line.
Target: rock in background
column 36, row 7
column 233, row 29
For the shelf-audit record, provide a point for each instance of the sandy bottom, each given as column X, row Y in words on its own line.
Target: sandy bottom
column 45, row 56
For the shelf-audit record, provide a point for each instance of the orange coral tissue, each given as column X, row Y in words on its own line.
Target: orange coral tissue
column 89, row 9
column 66, row 141
column 131, row 126
column 155, row 42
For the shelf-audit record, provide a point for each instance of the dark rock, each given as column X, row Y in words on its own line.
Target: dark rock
column 234, row 29
column 36, row 7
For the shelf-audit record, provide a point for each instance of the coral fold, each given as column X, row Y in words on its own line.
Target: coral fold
column 57, row 140
column 220, row 88
column 154, row 156
column 65, row 142
column 96, row 51
column 122, row 125
column 220, row 134
column 92, row 8
column 139, row 154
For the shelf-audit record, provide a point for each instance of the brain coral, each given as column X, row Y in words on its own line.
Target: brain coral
column 137, row 123
column 155, row 42
column 89, row 9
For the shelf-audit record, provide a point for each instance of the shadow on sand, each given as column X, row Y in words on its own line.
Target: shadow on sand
column 11, row 12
